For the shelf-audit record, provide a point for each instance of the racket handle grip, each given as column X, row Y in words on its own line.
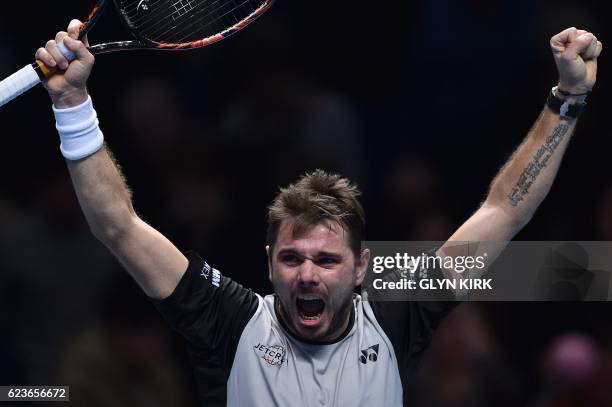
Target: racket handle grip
column 49, row 71
column 18, row 83
column 29, row 76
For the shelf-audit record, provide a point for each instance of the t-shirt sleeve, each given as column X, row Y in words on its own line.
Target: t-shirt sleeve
column 210, row 311
column 410, row 325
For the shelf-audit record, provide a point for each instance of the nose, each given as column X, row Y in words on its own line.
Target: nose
column 308, row 274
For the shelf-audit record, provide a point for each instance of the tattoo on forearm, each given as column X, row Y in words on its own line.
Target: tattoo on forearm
column 537, row 164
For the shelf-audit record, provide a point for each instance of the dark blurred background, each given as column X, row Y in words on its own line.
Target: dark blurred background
column 420, row 102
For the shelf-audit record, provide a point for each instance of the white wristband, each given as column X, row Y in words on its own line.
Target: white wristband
column 78, row 129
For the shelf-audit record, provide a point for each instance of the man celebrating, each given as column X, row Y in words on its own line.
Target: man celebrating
column 313, row 342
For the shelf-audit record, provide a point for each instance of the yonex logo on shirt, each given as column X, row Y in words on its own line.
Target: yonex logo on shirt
column 369, row 354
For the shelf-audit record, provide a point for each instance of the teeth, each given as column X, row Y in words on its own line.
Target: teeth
column 313, row 317
column 308, row 297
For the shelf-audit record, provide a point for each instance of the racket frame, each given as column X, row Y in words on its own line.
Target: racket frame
column 32, row 74
column 142, row 43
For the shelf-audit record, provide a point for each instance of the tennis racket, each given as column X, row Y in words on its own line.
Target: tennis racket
column 154, row 24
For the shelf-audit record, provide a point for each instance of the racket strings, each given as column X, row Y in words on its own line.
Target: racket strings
column 218, row 24
column 211, row 23
column 165, row 13
column 178, row 21
column 155, row 14
column 160, row 24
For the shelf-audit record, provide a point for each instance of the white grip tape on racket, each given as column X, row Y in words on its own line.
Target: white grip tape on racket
column 19, row 82
column 26, row 78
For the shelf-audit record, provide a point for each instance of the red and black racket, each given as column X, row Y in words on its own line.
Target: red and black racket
column 155, row 24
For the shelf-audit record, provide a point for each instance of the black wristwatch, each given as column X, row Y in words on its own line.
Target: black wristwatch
column 563, row 107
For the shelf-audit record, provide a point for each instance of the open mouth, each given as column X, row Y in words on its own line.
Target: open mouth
column 310, row 308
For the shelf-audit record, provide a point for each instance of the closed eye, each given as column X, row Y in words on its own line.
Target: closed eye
column 291, row 259
column 328, row 262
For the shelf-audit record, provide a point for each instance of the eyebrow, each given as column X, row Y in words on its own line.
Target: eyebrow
column 321, row 253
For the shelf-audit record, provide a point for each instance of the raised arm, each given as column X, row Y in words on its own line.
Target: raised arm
column 155, row 263
column 524, row 181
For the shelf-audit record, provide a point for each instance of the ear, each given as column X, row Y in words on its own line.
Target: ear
column 361, row 266
column 269, row 254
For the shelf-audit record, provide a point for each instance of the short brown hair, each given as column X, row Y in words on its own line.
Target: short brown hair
column 315, row 197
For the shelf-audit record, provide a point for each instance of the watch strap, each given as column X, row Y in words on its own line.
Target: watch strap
column 563, row 108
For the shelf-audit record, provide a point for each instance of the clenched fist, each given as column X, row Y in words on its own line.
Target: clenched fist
column 67, row 87
column 576, row 53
